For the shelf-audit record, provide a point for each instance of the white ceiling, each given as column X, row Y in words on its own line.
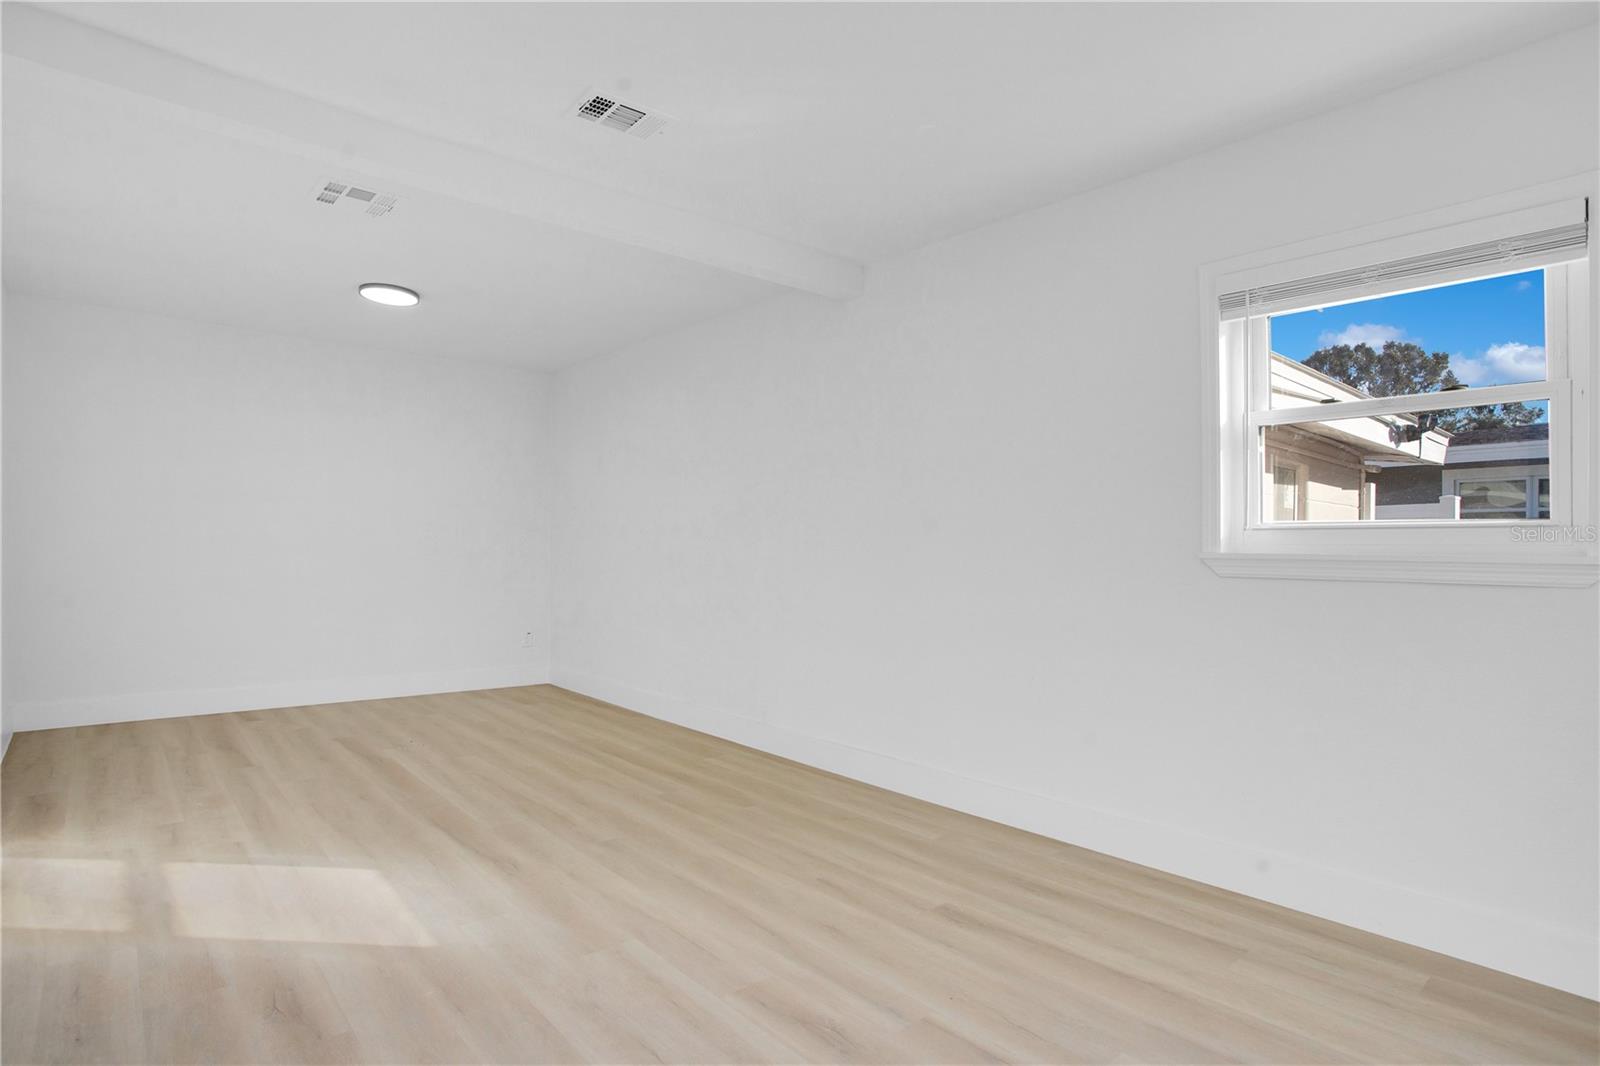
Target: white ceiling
column 105, row 201
column 807, row 138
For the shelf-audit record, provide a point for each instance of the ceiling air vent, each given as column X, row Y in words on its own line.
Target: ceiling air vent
column 624, row 118
column 376, row 204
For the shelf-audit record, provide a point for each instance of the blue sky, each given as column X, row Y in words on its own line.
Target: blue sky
column 1493, row 329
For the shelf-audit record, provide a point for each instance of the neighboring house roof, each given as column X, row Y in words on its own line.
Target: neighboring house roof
column 1294, row 380
column 1500, row 444
column 1501, row 434
column 1378, row 438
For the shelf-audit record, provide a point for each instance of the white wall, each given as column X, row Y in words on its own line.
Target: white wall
column 5, row 725
column 944, row 538
column 201, row 519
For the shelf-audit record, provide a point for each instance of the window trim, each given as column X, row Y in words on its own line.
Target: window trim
column 1482, row 551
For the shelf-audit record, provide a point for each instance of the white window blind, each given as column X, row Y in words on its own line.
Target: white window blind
column 1524, row 251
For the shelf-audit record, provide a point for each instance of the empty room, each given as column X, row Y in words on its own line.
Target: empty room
column 881, row 533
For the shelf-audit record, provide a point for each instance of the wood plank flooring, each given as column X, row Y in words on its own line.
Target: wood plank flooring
column 526, row 875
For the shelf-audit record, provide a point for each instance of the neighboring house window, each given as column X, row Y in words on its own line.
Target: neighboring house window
column 1404, row 405
column 1287, row 492
column 1504, row 497
column 1494, row 499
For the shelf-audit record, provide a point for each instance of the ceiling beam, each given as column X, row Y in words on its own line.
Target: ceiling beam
column 260, row 114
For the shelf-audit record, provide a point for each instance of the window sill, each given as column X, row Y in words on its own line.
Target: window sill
column 1540, row 573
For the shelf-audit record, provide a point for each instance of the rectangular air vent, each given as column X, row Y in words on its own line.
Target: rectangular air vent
column 624, row 118
column 376, row 204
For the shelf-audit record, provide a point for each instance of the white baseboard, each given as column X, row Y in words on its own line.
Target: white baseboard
column 138, row 706
column 1515, row 944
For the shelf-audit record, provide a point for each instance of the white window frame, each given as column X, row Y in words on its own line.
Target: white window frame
column 1237, row 542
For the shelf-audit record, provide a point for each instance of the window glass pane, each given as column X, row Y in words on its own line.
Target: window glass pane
column 1493, row 497
column 1475, row 333
column 1285, row 493
column 1465, row 463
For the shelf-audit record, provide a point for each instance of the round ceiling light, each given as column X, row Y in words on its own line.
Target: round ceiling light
column 389, row 295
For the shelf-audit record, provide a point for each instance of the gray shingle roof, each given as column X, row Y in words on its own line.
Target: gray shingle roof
column 1500, row 434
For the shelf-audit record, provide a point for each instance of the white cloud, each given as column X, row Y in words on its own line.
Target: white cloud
column 1524, row 285
column 1502, row 364
column 1364, row 333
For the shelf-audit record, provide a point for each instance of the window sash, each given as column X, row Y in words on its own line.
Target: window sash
column 1557, row 394
column 1410, row 403
column 1254, row 334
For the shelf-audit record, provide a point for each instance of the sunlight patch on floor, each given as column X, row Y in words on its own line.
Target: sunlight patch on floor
column 90, row 895
column 315, row 904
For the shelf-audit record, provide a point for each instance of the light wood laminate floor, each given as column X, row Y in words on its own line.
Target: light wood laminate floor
column 526, row 875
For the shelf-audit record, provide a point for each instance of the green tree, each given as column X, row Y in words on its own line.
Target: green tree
column 1515, row 413
column 1402, row 368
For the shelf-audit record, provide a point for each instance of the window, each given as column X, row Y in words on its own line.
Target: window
column 1406, row 404
column 1287, row 480
column 1527, row 496
column 1493, row 499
